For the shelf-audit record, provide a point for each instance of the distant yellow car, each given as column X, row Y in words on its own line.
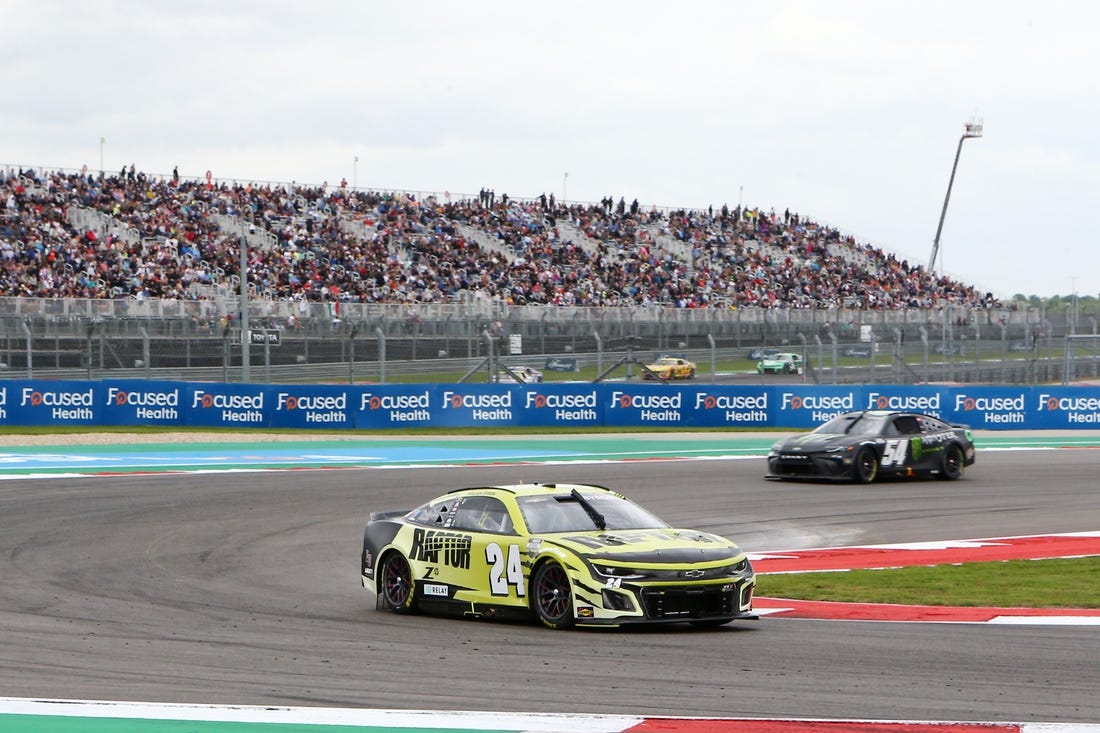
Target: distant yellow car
column 668, row 368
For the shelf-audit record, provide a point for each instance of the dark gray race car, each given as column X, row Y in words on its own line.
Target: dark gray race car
column 864, row 445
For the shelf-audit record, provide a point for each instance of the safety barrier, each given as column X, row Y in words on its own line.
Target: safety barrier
column 129, row 402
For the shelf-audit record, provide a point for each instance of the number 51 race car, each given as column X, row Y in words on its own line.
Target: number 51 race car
column 864, row 445
column 566, row 554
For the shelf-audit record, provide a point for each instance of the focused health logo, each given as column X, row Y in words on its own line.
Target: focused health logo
column 483, row 406
column 1078, row 409
column 650, row 407
column 928, row 404
column 997, row 409
column 235, row 408
column 821, row 408
column 64, row 405
column 567, row 407
column 401, row 407
column 314, row 408
column 152, row 405
column 736, row 408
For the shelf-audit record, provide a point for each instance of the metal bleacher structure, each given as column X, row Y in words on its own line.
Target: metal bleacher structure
column 196, row 339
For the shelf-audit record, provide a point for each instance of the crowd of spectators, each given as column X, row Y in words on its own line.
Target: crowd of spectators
column 167, row 238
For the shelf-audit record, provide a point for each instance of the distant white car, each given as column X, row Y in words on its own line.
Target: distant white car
column 524, row 375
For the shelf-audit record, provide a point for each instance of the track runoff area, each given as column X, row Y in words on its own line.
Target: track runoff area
column 19, row 715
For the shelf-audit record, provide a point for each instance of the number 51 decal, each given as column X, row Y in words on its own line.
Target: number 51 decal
column 504, row 570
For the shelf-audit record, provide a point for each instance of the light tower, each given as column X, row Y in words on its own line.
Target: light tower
column 972, row 129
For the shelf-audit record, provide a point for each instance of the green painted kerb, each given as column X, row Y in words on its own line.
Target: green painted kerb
column 73, row 724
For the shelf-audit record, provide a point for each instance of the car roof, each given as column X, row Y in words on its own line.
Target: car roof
column 535, row 489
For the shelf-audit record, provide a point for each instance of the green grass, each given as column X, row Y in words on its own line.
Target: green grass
column 1059, row 583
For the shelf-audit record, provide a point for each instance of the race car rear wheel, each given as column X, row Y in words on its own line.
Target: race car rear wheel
column 396, row 586
column 551, row 596
column 866, row 465
column 951, row 467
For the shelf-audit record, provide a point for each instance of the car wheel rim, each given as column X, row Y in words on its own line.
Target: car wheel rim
column 396, row 581
column 553, row 593
column 867, row 467
column 953, row 463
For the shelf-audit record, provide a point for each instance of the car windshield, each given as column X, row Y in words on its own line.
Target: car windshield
column 853, row 423
column 563, row 513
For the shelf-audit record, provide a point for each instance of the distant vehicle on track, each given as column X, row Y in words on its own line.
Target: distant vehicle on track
column 668, row 368
column 865, row 445
column 524, row 375
column 782, row 363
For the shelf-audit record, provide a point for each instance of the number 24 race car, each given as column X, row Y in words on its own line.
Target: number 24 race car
column 566, row 554
column 865, row 445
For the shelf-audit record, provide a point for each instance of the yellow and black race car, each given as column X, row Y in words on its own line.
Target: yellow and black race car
column 566, row 554
column 668, row 368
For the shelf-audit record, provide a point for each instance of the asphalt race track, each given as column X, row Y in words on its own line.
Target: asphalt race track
column 244, row 589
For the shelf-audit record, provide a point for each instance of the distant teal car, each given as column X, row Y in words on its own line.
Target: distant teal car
column 782, row 363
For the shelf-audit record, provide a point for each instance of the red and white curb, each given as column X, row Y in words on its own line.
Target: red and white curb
column 995, row 549
column 487, row 721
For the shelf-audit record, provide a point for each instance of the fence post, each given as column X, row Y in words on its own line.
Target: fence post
column 833, row 338
column 145, row 351
column 924, row 341
column 599, row 352
column 267, row 356
column 353, row 329
column 381, row 354
column 30, row 348
column 805, row 366
column 713, row 358
column 898, row 356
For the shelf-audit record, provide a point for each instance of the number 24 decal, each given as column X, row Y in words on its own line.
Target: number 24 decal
column 504, row 570
column 894, row 453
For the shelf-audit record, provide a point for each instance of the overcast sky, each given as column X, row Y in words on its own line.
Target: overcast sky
column 848, row 112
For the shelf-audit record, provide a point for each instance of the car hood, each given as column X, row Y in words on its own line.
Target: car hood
column 815, row 441
column 648, row 545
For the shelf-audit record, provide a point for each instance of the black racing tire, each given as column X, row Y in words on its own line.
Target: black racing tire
column 865, row 467
column 551, row 596
column 691, row 374
column 952, row 464
column 396, row 587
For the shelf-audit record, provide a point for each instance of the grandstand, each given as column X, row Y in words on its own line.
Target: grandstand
column 136, row 236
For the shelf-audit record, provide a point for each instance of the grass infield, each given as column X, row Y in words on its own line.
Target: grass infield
column 1056, row 583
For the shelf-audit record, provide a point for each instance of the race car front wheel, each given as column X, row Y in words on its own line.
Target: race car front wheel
column 952, row 466
column 551, row 596
column 397, row 589
column 866, row 465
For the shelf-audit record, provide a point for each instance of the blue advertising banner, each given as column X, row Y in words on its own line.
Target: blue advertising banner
column 381, row 406
column 989, row 408
column 807, row 406
column 560, row 405
column 477, row 405
column 221, row 405
column 312, row 406
column 926, row 398
column 574, row 404
column 1075, row 408
column 48, row 402
column 729, row 407
column 140, row 402
column 644, row 405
